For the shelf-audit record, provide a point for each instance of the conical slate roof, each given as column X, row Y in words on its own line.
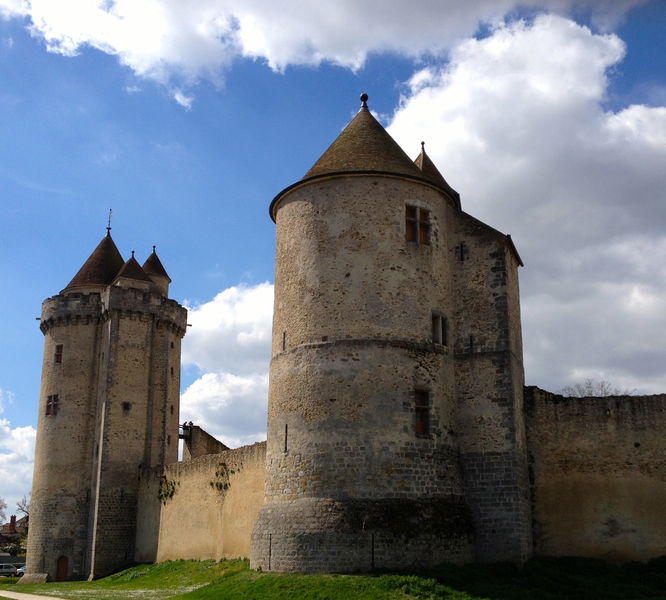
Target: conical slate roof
column 132, row 270
column 428, row 168
column 101, row 267
column 431, row 172
column 364, row 145
column 153, row 266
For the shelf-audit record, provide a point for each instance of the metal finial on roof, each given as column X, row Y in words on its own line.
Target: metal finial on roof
column 132, row 253
column 422, row 146
column 364, row 100
column 108, row 223
column 153, row 248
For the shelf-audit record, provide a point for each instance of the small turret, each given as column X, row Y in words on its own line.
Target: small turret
column 431, row 172
column 155, row 270
column 132, row 275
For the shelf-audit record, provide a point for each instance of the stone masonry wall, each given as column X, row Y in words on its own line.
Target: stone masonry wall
column 599, row 475
column 63, row 455
column 209, row 504
column 137, row 415
column 352, row 351
column 489, row 380
column 200, row 443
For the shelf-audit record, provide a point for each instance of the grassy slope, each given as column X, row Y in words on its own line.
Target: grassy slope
column 543, row 579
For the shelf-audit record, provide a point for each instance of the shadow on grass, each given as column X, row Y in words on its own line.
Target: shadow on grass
column 557, row 579
column 539, row 579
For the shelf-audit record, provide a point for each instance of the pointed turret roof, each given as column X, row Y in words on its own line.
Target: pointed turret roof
column 101, row 267
column 428, row 167
column 431, row 172
column 364, row 145
column 132, row 270
column 153, row 266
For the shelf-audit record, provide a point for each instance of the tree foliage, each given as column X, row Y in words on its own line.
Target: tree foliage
column 23, row 505
column 594, row 388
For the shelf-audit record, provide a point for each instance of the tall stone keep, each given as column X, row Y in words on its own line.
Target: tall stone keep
column 108, row 412
column 395, row 432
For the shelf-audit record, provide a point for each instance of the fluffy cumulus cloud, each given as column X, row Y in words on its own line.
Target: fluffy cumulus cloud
column 173, row 42
column 229, row 342
column 230, row 407
column 517, row 122
column 17, row 451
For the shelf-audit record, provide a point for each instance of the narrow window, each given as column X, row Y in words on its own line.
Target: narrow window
column 172, row 345
column 126, row 407
column 168, row 440
column 286, row 434
column 52, row 405
column 461, row 251
column 284, row 341
column 421, row 412
column 171, row 371
column 439, row 329
column 417, row 225
column 57, row 357
column 171, row 408
column 411, row 226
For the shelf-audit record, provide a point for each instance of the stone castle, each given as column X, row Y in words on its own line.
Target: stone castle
column 400, row 432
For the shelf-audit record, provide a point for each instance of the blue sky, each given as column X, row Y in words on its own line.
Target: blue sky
column 548, row 117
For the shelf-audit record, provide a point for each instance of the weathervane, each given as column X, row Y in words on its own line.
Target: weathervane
column 108, row 223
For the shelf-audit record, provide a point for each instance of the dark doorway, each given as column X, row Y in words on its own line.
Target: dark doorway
column 61, row 569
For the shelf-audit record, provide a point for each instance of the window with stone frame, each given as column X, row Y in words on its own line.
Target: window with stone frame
column 417, row 225
column 52, row 405
column 421, row 412
column 57, row 355
column 439, row 329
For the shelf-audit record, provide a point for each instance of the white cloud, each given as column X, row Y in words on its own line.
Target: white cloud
column 183, row 99
column 232, row 332
column 6, row 397
column 172, row 40
column 230, row 407
column 517, row 124
column 17, row 454
column 229, row 341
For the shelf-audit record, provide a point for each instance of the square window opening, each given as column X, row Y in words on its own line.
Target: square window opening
column 417, row 225
column 52, row 405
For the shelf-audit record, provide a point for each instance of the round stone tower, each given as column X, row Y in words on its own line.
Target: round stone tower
column 362, row 468
column 108, row 410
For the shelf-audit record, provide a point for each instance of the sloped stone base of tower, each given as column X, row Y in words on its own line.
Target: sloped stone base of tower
column 323, row 535
column 34, row 578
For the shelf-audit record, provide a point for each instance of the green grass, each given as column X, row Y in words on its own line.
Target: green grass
column 541, row 579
